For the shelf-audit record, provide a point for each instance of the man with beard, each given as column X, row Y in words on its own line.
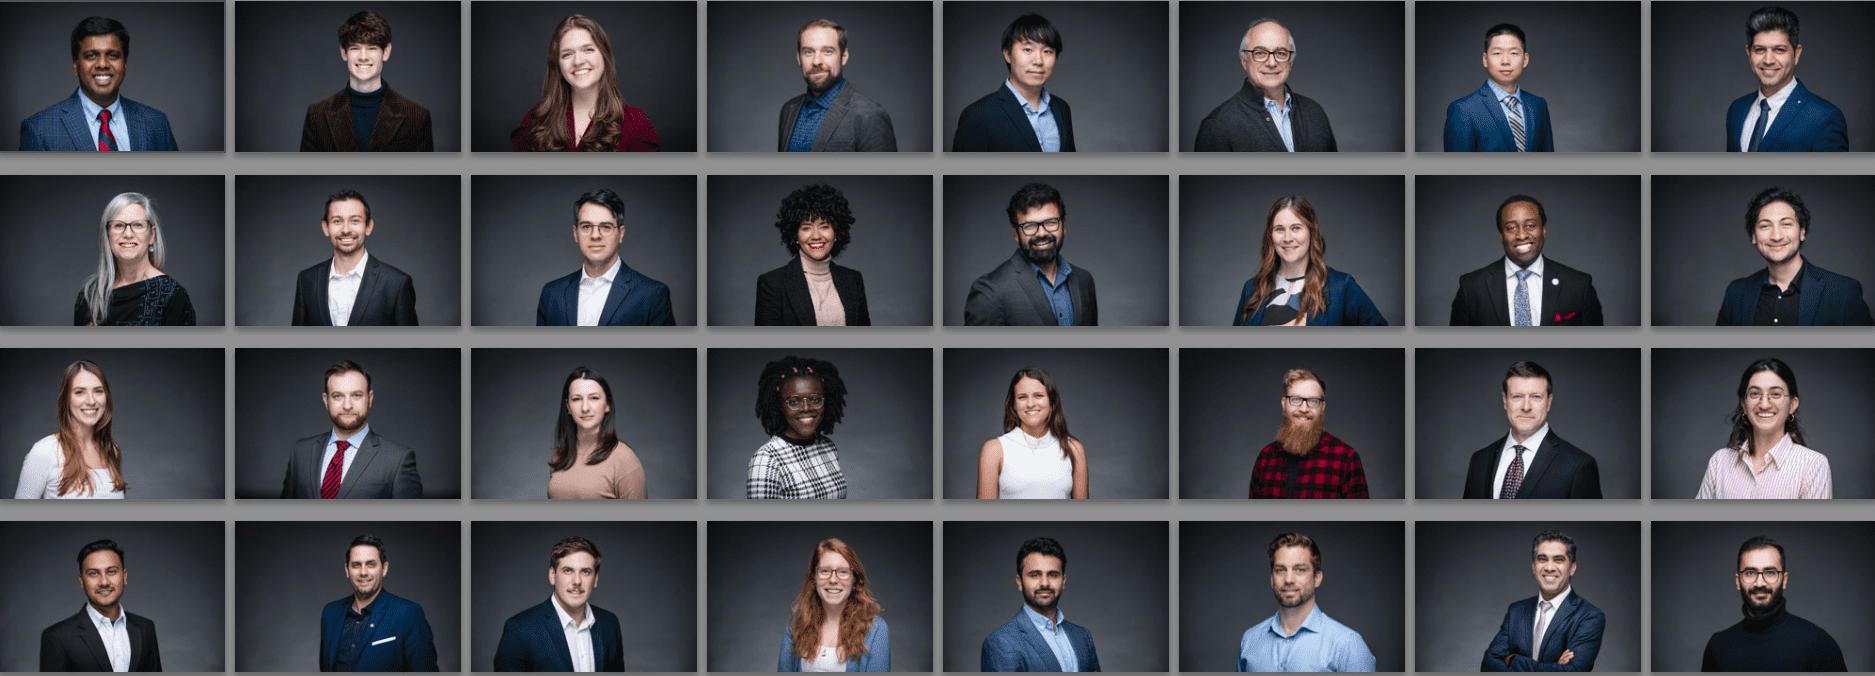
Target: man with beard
column 1040, row 637
column 1305, row 461
column 1789, row 291
column 1531, row 462
column 832, row 116
column 1036, row 286
column 103, row 636
column 351, row 461
column 1525, row 288
column 1557, row 630
column 353, row 287
column 1300, row 637
column 1769, row 638
column 372, row 629
column 1782, row 115
column 1265, row 115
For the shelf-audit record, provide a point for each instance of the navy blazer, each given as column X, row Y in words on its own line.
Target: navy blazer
column 1559, row 470
column 1475, row 123
column 1568, row 297
column 1805, row 123
column 996, row 123
column 878, row 655
column 1016, row 646
column 783, row 299
column 1348, row 305
column 64, row 127
column 398, row 639
column 1576, row 627
column 533, row 640
column 635, row 300
column 386, row 297
column 1828, row 299
column 74, row 644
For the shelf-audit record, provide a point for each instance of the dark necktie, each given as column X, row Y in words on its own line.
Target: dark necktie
column 335, row 471
column 1757, row 130
column 106, row 141
column 1514, row 476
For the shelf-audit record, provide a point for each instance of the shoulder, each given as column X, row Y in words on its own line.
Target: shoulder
column 767, row 452
column 75, row 622
column 1746, row 284
column 1484, row 274
column 623, row 456
column 1831, row 277
column 1530, row 98
column 52, row 113
column 141, row 621
column 1583, row 606
column 134, row 109
column 387, row 269
column 572, row 279
column 1473, row 99
column 528, row 119
column 327, row 104
column 1007, row 268
column 635, row 277
column 1824, row 107
column 314, row 441
column 795, row 102
column 1330, row 625
column 1741, row 103
column 1337, row 280
column 1304, row 104
column 860, row 103
column 1806, row 455
column 1526, row 605
column 410, row 107
column 842, row 272
column 1077, row 448
column 45, row 450
column 388, row 445
column 1563, row 447
column 1555, row 268
column 1721, row 458
column 983, row 105
column 533, row 614
column 1078, row 631
column 602, row 616
column 1489, row 451
column 399, row 604
column 995, row 444
column 318, row 270
column 1011, row 631
column 774, row 277
column 334, row 609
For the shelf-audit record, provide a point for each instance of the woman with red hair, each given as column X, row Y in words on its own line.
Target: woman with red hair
column 834, row 624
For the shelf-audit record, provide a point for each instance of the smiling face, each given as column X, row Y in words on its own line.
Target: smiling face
column 1031, row 63
column 1042, row 581
column 1301, row 412
column 820, row 57
column 580, row 61
column 1761, row 594
column 347, row 226
column 365, row 570
column 590, row 232
column 804, row 415
column 103, row 576
column 100, row 67
column 1777, row 234
column 88, row 400
column 129, row 243
column 1552, row 567
column 1032, row 404
column 1268, row 74
column 1042, row 244
column 1291, row 236
column 1504, row 61
column 573, row 578
column 348, row 402
column 1773, row 59
column 1767, row 403
column 1526, row 403
column 833, row 589
column 1292, row 578
column 365, row 63
column 815, row 239
column 585, row 401
column 1520, row 226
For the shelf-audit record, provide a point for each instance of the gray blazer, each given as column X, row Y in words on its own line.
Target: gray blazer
column 383, row 469
column 1010, row 295
column 853, row 124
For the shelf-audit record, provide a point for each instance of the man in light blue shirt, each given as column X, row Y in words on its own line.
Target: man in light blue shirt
column 1300, row 637
column 1039, row 637
column 1020, row 116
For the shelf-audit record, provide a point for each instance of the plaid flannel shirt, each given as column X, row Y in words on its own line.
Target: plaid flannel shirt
column 782, row 470
column 1330, row 470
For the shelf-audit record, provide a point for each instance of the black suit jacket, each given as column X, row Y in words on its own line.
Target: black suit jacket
column 73, row 644
column 782, row 298
column 386, row 297
column 383, row 469
column 402, row 125
column 853, row 123
column 1559, row 470
column 996, row 123
column 1242, row 124
column 1010, row 295
column 1568, row 300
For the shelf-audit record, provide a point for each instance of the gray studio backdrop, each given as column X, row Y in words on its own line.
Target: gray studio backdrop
column 515, row 404
column 1111, row 69
column 884, row 439
column 657, row 620
column 1695, row 563
column 1478, row 569
column 1700, row 67
column 653, row 43
column 509, row 271
column 418, row 230
column 755, row 572
column 1460, row 399
column 1114, row 571
column 1695, row 390
column 752, row 68
column 58, row 221
column 175, row 579
column 1701, row 245
column 1230, row 408
column 1116, row 402
column 166, row 414
column 1221, row 223
column 891, row 242
column 1585, row 61
column 175, row 63
column 1118, row 224
column 1346, row 48
column 416, row 402
column 1224, row 586
column 1594, row 225
column 287, row 571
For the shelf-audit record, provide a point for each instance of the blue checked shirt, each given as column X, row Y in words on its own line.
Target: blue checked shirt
column 1057, row 291
column 1504, row 106
column 807, row 124
column 1320, row 644
column 1043, row 119
column 1054, row 636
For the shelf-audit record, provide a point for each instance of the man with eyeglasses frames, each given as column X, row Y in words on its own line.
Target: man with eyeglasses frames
column 1036, row 286
column 1556, row 630
column 566, row 632
column 1500, row 116
column 605, row 291
column 1531, row 462
column 1305, row 461
column 354, row 288
column 1769, row 638
column 1266, row 115
column 1782, row 115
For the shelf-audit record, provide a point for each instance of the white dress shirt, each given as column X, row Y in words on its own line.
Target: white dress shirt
column 116, row 635
column 342, row 289
column 593, row 292
column 578, row 635
column 1503, row 459
column 1536, row 289
column 332, row 446
column 1751, row 116
column 1546, row 618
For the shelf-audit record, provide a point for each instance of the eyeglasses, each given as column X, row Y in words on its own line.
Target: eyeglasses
column 1770, row 575
column 841, row 573
column 1260, row 55
column 1305, row 402
column 1050, row 225
column 798, row 403
column 603, row 228
column 139, row 227
column 1775, row 397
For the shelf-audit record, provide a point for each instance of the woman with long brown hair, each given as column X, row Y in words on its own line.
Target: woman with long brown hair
column 580, row 106
column 589, row 461
column 81, row 460
column 1035, row 458
column 1293, row 285
column 834, row 623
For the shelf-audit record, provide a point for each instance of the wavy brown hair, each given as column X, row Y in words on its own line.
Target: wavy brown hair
column 808, row 613
column 1057, row 418
column 1314, row 301
column 75, row 479
column 556, row 97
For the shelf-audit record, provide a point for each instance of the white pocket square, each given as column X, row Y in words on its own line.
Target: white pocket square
column 384, row 640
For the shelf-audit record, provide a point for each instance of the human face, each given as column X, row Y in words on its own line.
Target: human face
column 1042, row 240
column 585, row 401
column 1767, row 403
column 100, row 67
column 1504, row 61
column 1031, row 63
column 1760, row 593
column 1773, row 59
column 580, row 61
column 88, row 400
column 1300, row 411
column 365, row 571
column 1032, row 404
column 365, row 63
column 1778, row 235
column 1042, row 581
column 820, row 57
column 573, row 578
column 833, row 589
column 1552, row 568
column 129, row 244
column 1526, row 403
column 814, row 239
column 1270, row 73
column 348, row 402
column 1292, row 578
column 1521, row 228
column 803, row 423
column 103, row 576
column 598, row 234
column 1290, row 235
column 346, row 226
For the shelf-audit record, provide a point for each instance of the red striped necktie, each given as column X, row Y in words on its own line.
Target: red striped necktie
column 335, row 471
column 106, row 141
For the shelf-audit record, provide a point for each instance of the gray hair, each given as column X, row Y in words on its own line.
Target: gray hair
column 1244, row 44
column 97, row 291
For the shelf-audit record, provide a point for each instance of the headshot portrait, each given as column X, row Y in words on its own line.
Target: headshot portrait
column 1255, row 423
column 1581, row 60
column 1524, row 281
column 1768, row 268
column 1254, row 251
column 849, row 251
column 115, row 251
column 623, row 424
column 1019, row 102
column 170, row 619
column 1492, row 424
column 617, row 626
column 868, row 583
column 1244, row 85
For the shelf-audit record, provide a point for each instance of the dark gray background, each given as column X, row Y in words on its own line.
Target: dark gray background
column 1111, row 68
column 1116, row 401
column 752, row 68
column 654, row 45
column 175, row 63
column 1694, row 390
column 1700, row 66
column 1694, row 565
column 1114, row 568
column 300, row 41
column 1585, row 61
column 277, row 218
column 1700, row 242
column 61, row 243
column 278, row 402
column 1349, row 49
column 166, row 413
column 1470, row 572
column 509, row 271
column 1221, row 223
column 516, row 395
column 284, row 577
column 1460, row 403
column 1119, row 225
column 1597, row 221
column 651, row 586
column 884, row 439
column 1224, row 586
column 1230, row 409
column 755, row 573
column 891, row 242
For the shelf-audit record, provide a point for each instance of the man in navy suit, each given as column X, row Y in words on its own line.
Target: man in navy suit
column 353, row 288
column 567, row 632
column 605, row 291
column 1500, row 116
column 1556, row 630
column 1782, row 116
column 1040, row 637
column 95, row 117
column 1020, row 116
column 1789, row 291
column 371, row 629
column 1525, row 288
column 1531, row 462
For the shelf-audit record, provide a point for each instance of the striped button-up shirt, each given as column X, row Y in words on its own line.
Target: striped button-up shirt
column 1790, row 471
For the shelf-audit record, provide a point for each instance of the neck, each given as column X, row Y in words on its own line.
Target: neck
column 84, row 436
column 359, row 602
column 1548, row 596
column 104, row 103
column 789, row 433
column 1782, row 273
column 1276, row 94
column 1762, row 443
column 109, row 611
column 1508, row 88
column 1035, row 431
column 578, row 613
column 1292, row 617
column 344, row 262
column 1291, row 270
column 135, row 270
column 339, row 433
column 1046, row 612
column 819, row 267
column 588, row 441
column 831, row 611
column 366, row 86
column 1049, row 268
column 1032, row 94
column 1521, row 437
column 596, row 269
column 586, row 101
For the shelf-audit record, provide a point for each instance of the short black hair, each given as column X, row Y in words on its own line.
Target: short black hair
column 1497, row 220
column 820, row 201
column 98, row 546
column 1505, row 29
column 1553, row 535
column 97, row 25
column 1772, row 18
column 603, row 197
column 342, row 195
column 1035, row 195
column 1045, row 546
column 1033, row 28
column 368, row 541
column 1764, row 542
column 1776, row 194
column 343, row 366
column 769, row 402
column 1529, row 369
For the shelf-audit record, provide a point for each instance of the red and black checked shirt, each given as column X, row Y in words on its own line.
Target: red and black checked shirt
column 1331, row 470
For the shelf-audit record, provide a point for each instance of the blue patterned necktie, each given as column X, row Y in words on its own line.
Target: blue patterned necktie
column 1516, row 121
column 1521, row 304
column 1757, row 130
column 1513, row 477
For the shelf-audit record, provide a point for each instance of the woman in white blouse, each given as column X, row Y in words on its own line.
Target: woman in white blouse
column 1035, row 457
column 81, row 460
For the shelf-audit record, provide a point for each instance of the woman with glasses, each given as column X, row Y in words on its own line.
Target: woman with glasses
column 589, row 462
column 834, row 623
column 1294, row 285
column 81, row 460
column 129, row 288
column 1035, row 458
column 581, row 108
column 816, row 224
column 798, row 400
column 1765, row 456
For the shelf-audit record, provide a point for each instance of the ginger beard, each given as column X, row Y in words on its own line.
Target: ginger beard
column 1301, row 430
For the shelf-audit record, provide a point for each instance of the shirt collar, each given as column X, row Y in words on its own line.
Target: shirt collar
column 1555, row 603
column 1312, row 623
column 609, row 275
column 1536, row 268
column 1770, row 456
column 366, row 612
column 1267, row 103
column 1796, row 282
column 1061, row 272
column 825, row 100
column 1042, row 622
column 566, row 618
column 117, row 106
column 1024, row 101
column 355, row 440
column 357, row 270
column 1501, row 93
column 99, row 618
column 1777, row 99
column 1529, row 444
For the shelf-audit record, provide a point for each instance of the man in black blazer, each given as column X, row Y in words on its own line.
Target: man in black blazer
column 536, row 639
column 1020, row 116
column 1036, row 286
column 1789, row 291
column 352, row 288
column 1524, row 288
column 1531, row 462
column 832, row 116
column 351, row 461
column 102, row 637
column 1266, row 115
column 366, row 115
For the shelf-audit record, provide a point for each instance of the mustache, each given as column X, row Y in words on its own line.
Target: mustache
column 1044, row 240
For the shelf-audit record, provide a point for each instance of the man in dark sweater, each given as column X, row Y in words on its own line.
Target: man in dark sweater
column 1769, row 638
column 366, row 115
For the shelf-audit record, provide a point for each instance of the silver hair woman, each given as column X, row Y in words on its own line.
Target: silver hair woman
column 129, row 288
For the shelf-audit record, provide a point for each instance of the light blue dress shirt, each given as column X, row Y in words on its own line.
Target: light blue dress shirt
column 119, row 129
column 1320, row 644
column 1504, row 107
column 1057, row 291
column 332, row 446
column 1055, row 636
column 1042, row 120
column 1280, row 113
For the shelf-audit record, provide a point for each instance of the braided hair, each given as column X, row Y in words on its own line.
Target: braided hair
column 770, row 406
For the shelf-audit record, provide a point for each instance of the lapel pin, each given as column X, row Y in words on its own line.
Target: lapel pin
column 1555, row 282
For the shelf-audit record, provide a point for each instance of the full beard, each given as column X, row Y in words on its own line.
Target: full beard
column 1298, row 437
column 1042, row 256
column 1758, row 610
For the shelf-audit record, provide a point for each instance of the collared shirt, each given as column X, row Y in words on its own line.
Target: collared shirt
column 1320, row 644
column 1536, row 289
column 1279, row 111
column 342, row 289
column 119, row 128
column 1529, row 457
column 813, row 112
column 1330, row 470
column 1790, row 471
column 352, row 631
column 332, row 446
column 1546, row 618
column 116, row 635
column 1778, row 307
column 1505, row 108
column 1751, row 117
column 1057, row 290
column 593, row 292
column 578, row 635
column 1041, row 119
column 1054, row 636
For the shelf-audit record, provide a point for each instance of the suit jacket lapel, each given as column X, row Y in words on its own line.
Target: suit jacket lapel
column 339, row 124
column 1033, row 638
column 1500, row 303
column 321, row 301
column 1792, row 108
column 1077, row 295
column 76, row 126
column 1012, row 108
column 136, row 643
column 367, row 292
column 557, row 634
column 94, row 642
column 314, row 473
column 1538, row 464
column 390, row 119
column 1032, row 287
column 836, row 112
column 1814, row 286
column 361, row 463
column 1552, row 288
column 1555, row 623
column 794, row 289
column 614, row 298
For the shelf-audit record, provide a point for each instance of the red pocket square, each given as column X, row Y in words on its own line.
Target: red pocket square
column 1565, row 317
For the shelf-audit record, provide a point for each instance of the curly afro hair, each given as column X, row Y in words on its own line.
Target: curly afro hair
column 769, row 406
column 820, row 201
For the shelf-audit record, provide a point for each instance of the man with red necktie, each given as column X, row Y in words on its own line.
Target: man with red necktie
column 351, row 461
column 1531, row 462
column 95, row 117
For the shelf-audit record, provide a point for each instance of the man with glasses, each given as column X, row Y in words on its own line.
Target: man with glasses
column 566, row 632
column 1769, row 638
column 1556, row 630
column 1531, row 462
column 605, row 291
column 354, row 288
column 1790, row 290
column 1280, row 644
column 1525, row 288
column 1305, row 461
column 1266, row 115
column 1782, row 116
column 1500, row 116
column 1036, row 286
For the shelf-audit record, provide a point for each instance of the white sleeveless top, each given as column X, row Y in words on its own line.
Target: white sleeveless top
column 1033, row 468
column 39, row 476
column 828, row 660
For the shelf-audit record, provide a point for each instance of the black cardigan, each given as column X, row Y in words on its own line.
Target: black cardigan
column 782, row 297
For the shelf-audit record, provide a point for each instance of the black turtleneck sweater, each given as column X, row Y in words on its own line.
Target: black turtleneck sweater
column 365, row 114
column 1778, row 641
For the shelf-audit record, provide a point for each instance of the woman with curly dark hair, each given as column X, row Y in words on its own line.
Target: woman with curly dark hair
column 798, row 400
column 816, row 224
column 589, row 461
column 580, row 106
column 1293, row 285
column 834, row 623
